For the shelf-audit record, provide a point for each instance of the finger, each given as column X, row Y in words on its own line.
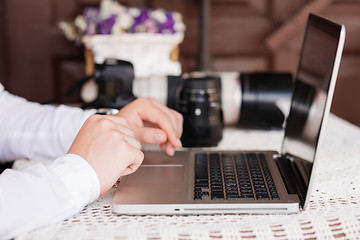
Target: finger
column 117, row 119
column 132, row 141
column 156, row 116
column 125, row 130
column 175, row 117
column 176, row 120
column 168, row 148
column 170, row 113
column 121, row 124
column 163, row 146
column 151, row 135
column 135, row 162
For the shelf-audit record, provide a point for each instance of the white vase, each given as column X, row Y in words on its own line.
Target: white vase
column 149, row 53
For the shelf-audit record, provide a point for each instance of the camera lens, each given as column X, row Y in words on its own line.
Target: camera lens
column 262, row 94
column 200, row 105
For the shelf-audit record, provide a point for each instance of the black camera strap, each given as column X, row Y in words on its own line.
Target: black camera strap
column 76, row 86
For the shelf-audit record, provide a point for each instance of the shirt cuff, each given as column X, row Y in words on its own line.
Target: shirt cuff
column 87, row 114
column 78, row 176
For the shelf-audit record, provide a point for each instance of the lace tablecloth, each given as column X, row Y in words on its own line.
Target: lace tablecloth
column 333, row 213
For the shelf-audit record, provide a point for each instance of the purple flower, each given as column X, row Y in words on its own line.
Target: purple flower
column 168, row 26
column 105, row 26
column 91, row 14
column 150, row 26
column 147, row 20
column 139, row 21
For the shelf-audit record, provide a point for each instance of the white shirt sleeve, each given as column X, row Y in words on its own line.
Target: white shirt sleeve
column 41, row 195
column 34, row 131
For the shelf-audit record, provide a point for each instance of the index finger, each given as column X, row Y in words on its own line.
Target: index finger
column 157, row 116
column 175, row 117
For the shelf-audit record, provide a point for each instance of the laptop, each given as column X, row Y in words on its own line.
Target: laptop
column 209, row 182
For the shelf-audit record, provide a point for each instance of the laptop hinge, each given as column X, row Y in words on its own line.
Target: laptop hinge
column 295, row 180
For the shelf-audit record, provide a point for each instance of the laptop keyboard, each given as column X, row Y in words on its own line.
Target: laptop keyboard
column 224, row 176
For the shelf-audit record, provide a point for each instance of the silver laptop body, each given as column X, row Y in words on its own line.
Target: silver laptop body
column 175, row 185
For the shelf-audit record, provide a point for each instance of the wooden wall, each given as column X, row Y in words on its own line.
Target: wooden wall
column 37, row 62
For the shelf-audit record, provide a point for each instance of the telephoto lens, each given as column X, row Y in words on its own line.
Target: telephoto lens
column 200, row 105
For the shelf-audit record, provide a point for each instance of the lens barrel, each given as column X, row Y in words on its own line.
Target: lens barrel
column 200, row 105
column 261, row 94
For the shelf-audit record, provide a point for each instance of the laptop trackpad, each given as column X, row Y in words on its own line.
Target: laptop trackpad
column 157, row 173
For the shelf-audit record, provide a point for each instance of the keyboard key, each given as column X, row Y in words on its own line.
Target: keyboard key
column 201, row 185
column 217, row 196
column 247, row 196
column 233, row 197
column 262, row 196
column 201, row 170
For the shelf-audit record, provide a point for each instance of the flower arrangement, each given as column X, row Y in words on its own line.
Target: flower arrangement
column 114, row 18
column 148, row 38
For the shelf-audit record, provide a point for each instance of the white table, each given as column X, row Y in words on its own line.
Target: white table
column 334, row 211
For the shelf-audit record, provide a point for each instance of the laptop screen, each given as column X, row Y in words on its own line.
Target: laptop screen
column 313, row 87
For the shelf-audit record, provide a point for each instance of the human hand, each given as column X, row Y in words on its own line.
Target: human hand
column 110, row 147
column 154, row 123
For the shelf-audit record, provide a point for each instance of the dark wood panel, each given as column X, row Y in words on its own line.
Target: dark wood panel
column 241, row 36
column 174, row 5
column 61, row 11
column 346, row 97
column 349, row 15
column 3, row 59
column 32, row 50
column 240, row 9
column 136, row 3
column 189, row 48
column 26, row 65
column 281, row 10
column 240, row 64
column 286, row 59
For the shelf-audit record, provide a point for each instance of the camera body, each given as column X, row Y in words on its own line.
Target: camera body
column 115, row 84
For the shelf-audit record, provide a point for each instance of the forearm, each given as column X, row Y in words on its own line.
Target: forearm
column 36, row 131
column 42, row 195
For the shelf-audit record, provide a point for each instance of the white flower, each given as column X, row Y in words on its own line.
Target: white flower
column 179, row 27
column 105, row 8
column 177, row 17
column 110, row 7
column 123, row 22
column 80, row 23
column 159, row 15
column 68, row 29
column 118, row 9
column 135, row 12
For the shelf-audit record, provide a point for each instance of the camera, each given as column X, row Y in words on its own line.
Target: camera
column 207, row 101
column 115, row 84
